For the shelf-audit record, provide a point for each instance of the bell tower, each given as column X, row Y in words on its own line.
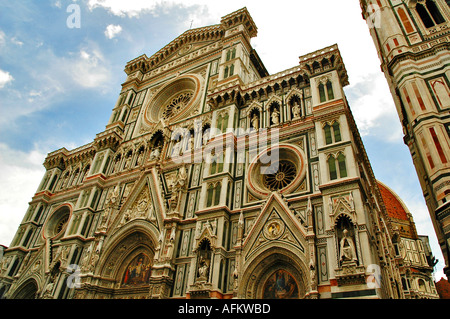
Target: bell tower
column 412, row 40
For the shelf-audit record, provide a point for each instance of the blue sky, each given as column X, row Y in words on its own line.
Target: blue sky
column 58, row 84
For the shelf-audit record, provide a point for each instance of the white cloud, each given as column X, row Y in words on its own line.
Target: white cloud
column 5, row 78
column 21, row 174
column 52, row 77
column 16, row 41
column 130, row 8
column 112, row 30
column 373, row 108
column 2, row 37
column 90, row 69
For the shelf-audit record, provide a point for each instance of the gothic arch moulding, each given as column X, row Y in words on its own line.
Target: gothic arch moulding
column 276, row 273
column 136, row 238
column 28, row 290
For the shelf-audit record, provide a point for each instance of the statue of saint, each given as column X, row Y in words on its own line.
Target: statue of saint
column 203, row 269
column 255, row 121
column 347, row 248
column 296, row 110
column 275, row 117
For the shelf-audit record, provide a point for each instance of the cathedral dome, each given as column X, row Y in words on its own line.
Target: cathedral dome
column 394, row 205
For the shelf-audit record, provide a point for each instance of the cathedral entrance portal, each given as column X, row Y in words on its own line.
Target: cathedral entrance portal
column 280, row 285
column 274, row 275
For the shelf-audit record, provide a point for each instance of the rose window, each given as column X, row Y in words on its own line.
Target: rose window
column 281, row 178
column 177, row 104
column 60, row 225
column 175, row 100
column 280, row 168
column 57, row 222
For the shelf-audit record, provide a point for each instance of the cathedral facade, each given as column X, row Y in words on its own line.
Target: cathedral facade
column 215, row 179
column 412, row 41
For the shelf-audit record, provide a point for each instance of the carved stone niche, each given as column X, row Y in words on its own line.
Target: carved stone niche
column 202, row 286
column 349, row 271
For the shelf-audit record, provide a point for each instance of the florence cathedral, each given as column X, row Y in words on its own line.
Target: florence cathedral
column 215, row 179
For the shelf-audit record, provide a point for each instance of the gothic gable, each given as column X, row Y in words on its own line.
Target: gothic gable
column 142, row 204
column 275, row 225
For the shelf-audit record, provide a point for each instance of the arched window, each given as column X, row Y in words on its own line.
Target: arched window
column 222, row 122
column 52, row 184
column 323, row 98
column 332, row 167
column 424, row 16
column 337, row 167
column 124, row 116
column 106, row 165
column 332, row 133
column 213, row 195
column 38, row 214
column 429, row 14
column 130, row 99
column 225, row 75
column 75, row 256
column 85, row 172
column 434, row 11
column 115, row 116
column 217, row 191
column 231, row 69
column 404, row 284
column 210, row 195
column 13, row 269
column 337, row 132
column 327, row 131
column 342, row 166
column 213, row 167
column 85, row 226
column 330, row 90
column 27, row 238
column 75, row 224
column 216, row 164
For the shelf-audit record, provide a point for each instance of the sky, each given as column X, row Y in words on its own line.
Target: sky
column 62, row 65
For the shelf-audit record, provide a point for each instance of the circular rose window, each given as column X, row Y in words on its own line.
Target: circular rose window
column 174, row 100
column 281, row 177
column 57, row 222
column 177, row 104
column 280, row 168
